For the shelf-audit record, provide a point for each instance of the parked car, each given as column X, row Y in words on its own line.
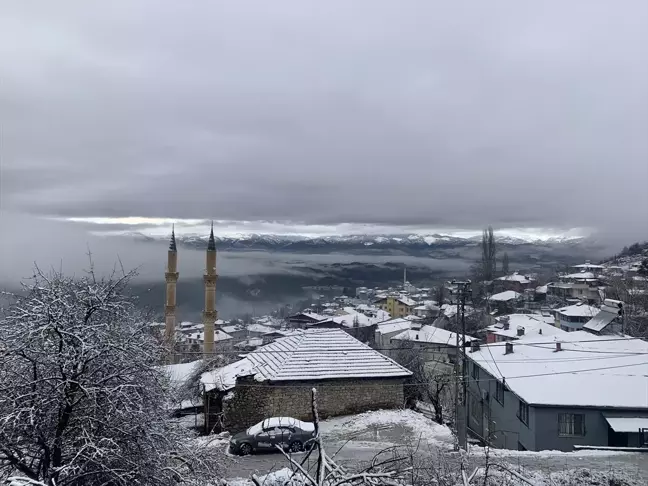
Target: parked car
column 286, row 432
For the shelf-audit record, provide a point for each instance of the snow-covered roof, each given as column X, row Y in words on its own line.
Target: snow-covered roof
column 541, row 289
column 588, row 265
column 231, row 329
column 393, row 325
column 313, row 354
column 608, row 313
column 403, row 299
column 431, row 334
column 260, row 328
column 589, row 371
column 218, row 336
column 516, row 277
column 626, row 424
column 534, row 325
column 580, row 276
column 311, row 315
column 578, row 310
column 351, row 317
column 450, row 310
column 251, row 342
column 178, row 373
column 505, row 296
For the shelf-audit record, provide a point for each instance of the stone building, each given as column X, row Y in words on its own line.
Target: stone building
column 277, row 379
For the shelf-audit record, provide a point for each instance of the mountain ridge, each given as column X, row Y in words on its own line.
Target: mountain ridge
column 361, row 242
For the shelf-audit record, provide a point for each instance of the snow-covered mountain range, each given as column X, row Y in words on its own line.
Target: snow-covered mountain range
column 404, row 242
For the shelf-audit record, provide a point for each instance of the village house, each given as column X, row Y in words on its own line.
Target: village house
column 428, row 309
column 437, row 346
column 574, row 317
column 584, row 284
column 516, row 327
column 302, row 319
column 506, row 302
column 557, row 393
column 609, row 320
column 397, row 306
column 222, row 340
column 515, row 281
column 358, row 324
column 386, row 330
column 277, row 379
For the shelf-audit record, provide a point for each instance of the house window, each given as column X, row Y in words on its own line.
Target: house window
column 475, row 371
column 523, row 412
column 499, row 392
column 571, row 424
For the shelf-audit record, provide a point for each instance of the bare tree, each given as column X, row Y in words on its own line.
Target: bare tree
column 489, row 255
column 634, row 295
column 505, row 264
column 438, row 294
column 431, row 379
column 81, row 400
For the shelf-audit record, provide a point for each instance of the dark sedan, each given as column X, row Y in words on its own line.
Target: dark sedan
column 286, row 432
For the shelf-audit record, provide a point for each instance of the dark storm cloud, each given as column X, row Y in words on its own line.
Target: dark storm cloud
column 441, row 113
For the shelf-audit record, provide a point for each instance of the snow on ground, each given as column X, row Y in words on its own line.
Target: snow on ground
column 214, row 440
column 417, row 425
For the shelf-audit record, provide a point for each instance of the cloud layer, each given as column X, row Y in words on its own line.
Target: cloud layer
column 451, row 114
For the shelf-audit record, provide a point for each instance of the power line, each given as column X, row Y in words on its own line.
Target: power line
column 619, row 353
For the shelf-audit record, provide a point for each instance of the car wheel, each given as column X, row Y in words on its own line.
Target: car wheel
column 245, row 449
column 295, row 446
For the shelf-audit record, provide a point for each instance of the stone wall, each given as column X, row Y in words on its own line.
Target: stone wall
column 247, row 405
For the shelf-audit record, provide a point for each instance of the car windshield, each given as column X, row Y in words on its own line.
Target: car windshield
column 255, row 429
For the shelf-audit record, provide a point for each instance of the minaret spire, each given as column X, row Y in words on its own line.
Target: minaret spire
column 210, row 315
column 172, row 243
column 171, row 277
column 211, row 246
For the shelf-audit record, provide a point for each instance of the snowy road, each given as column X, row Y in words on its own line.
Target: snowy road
column 360, row 438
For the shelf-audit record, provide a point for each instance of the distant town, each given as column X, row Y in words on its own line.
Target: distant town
column 505, row 360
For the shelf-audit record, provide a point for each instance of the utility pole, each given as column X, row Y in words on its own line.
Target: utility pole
column 461, row 418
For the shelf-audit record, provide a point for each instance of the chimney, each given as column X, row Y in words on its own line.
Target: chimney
column 520, row 331
column 474, row 346
column 539, row 331
column 505, row 321
column 417, row 336
column 558, row 346
column 508, row 348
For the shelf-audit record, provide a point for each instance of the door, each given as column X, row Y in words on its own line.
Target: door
column 264, row 439
column 283, row 436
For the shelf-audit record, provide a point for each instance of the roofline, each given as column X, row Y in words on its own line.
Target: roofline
column 283, row 382
column 589, row 407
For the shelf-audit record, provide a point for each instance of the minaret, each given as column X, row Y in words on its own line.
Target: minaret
column 171, row 277
column 209, row 314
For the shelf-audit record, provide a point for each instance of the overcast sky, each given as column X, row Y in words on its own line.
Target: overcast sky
column 448, row 113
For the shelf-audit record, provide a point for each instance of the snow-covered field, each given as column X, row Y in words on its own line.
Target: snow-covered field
column 357, row 439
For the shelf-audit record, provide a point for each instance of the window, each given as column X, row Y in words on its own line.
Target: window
column 523, row 413
column 571, row 424
column 475, row 371
column 499, row 392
